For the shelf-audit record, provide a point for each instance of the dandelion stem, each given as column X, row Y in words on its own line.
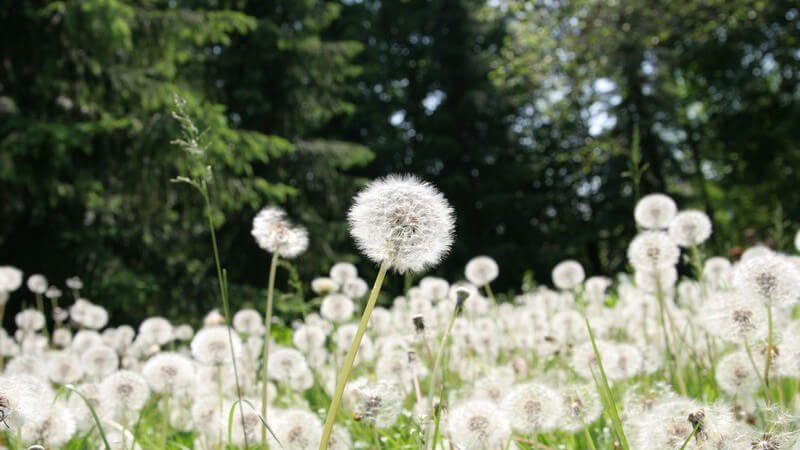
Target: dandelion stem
column 344, row 373
column 768, row 359
column 165, row 422
column 588, row 435
column 767, row 396
column 691, row 435
column 437, row 361
column 489, row 292
column 40, row 307
column 267, row 331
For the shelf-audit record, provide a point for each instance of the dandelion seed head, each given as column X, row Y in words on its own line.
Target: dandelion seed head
column 534, row 408
column 652, row 250
column 214, row 346
column 337, row 308
column 37, row 283
column 274, row 233
column 323, row 286
column 156, row 330
column 734, row 374
column 402, row 221
column 478, row 424
column 10, row 278
column 343, row 271
column 568, row 275
column 595, row 288
column 655, row 211
column 29, row 320
column 481, row 270
column 690, row 228
column 99, row 361
column 248, row 322
column 355, row 288
column 54, row 430
column 168, row 373
column 771, row 280
column 74, row 283
column 64, row 368
column 127, row 390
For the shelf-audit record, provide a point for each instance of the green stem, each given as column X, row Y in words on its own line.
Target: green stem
column 587, row 434
column 767, row 396
column 265, row 353
column 223, row 292
column 489, row 292
column 165, row 422
column 435, row 371
column 40, row 307
column 691, row 435
column 768, row 359
column 344, row 373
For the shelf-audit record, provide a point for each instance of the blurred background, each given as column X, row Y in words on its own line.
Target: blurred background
column 542, row 122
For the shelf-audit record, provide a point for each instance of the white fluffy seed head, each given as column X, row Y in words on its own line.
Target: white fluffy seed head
column 248, row 322
column 127, row 390
column 57, row 427
column 652, row 250
column 10, row 278
column 595, row 288
column 324, row 285
column 99, row 361
column 168, row 372
column 734, row 374
column 655, row 211
column 717, row 272
column 568, row 275
column 376, row 403
column 771, row 280
column 29, row 320
column 37, row 283
column 275, row 233
column 534, row 408
column 64, row 368
column 690, row 227
column 213, row 345
column 355, row 288
column 402, row 221
column 156, row 330
column 481, row 270
column 337, row 308
column 478, row 424
column 343, row 271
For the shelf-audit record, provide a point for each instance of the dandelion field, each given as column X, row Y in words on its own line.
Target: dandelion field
column 648, row 359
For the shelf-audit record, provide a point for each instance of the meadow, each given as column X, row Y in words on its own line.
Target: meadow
column 707, row 357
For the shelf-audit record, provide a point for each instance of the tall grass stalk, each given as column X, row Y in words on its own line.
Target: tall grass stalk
column 347, row 366
column 606, row 395
column 191, row 142
column 100, row 430
column 273, row 266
